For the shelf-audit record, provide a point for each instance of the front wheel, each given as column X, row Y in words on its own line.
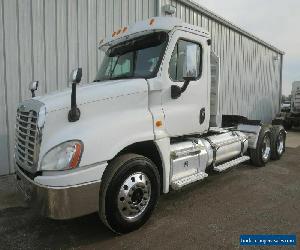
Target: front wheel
column 129, row 192
column 262, row 153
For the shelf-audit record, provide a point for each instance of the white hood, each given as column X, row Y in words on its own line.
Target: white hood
column 93, row 92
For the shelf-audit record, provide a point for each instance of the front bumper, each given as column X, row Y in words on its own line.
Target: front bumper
column 60, row 202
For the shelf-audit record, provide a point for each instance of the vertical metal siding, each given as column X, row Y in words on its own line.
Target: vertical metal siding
column 4, row 153
column 44, row 40
column 250, row 77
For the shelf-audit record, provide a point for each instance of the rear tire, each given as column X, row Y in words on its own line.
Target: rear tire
column 261, row 155
column 129, row 192
column 277, row 142
column 287, row 125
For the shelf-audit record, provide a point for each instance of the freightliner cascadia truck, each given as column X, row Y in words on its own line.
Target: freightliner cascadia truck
column 148, row 124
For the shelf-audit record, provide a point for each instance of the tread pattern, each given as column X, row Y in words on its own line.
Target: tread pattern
column 275, row 131
column 114, row 166
column 255, row 154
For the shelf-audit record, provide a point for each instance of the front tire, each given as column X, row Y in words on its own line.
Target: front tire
column 261, row 155
column 129, row 192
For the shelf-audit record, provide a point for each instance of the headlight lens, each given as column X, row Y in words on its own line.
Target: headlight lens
column 64, row 156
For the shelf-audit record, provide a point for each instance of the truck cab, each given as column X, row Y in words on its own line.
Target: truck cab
column 290, row 113
column 149, row 122
column 295, row 102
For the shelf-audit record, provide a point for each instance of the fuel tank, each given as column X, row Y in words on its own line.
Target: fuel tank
column 226, row 146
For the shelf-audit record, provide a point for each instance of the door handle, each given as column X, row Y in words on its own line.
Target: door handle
column 202, row 115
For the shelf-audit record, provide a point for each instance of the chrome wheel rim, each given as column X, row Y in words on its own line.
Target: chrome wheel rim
column 134, row 196
column 280, row 144
column 266, row 149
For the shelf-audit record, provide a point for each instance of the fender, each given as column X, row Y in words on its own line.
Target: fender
column 106, row 126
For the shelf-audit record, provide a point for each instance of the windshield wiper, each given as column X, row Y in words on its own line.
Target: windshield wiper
column 113, row 69
column 117, row 77
column 122, row 77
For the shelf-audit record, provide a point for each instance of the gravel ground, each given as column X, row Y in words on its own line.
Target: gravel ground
column 207, row 215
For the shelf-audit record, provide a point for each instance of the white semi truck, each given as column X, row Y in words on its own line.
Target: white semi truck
column 147, row 124
column 290, row 117
column 295, row 100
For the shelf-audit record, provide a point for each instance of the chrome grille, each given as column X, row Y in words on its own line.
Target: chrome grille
column 27, row 135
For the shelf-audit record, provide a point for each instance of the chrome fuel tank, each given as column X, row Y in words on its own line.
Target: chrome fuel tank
column 226, row 145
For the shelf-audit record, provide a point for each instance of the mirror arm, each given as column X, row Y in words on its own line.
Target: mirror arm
column 185, row 85
column 74, row 113
column 73, row 96
column 32, row 93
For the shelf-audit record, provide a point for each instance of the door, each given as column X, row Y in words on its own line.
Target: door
column 189, row 113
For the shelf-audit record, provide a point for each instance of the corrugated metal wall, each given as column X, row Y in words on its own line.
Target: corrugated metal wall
column 250, row 71
column 45, row 39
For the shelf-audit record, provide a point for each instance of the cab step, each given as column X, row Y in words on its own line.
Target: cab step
column 232, row 163
column 178, row 184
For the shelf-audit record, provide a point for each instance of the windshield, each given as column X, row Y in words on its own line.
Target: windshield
column 136, row 58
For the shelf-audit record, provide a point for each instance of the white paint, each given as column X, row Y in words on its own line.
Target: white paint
column 182, row 114
column 104, row 127
column 72, row 177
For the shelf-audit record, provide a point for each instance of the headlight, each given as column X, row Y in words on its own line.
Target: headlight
column 64, row 156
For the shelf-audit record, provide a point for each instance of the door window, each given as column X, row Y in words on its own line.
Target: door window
column 176, row 66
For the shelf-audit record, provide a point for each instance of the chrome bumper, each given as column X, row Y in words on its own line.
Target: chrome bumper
column 60, row 202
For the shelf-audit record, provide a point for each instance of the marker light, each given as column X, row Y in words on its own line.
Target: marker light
column 76, row 155
column 152, row 21
column 113, row 34
column 158, row 123
column 64, row 156
column 125, row 29
column 119, row 31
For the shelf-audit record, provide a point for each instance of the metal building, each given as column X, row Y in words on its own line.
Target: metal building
column 45, row 39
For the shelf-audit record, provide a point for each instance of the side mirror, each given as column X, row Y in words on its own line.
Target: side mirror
column 76, row 75
column 190, row 64
column 190, row 69
column 75, row 78
column 33, row 86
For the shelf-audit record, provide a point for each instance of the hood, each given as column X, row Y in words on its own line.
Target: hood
column 93, row 92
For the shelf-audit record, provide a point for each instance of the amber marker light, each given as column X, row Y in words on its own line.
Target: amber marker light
column 152, row 21
column 119, row 31
column 76, row 156
column 158, row 123
column 113, row 34
column 125, row 29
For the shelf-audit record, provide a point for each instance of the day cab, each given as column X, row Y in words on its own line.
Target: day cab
column 149, row 122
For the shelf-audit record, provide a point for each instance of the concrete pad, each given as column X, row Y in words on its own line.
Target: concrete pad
column 9, row 197
column 207, row 215
column 293, row 138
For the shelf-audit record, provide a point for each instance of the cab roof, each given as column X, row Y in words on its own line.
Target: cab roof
column 149, row 26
